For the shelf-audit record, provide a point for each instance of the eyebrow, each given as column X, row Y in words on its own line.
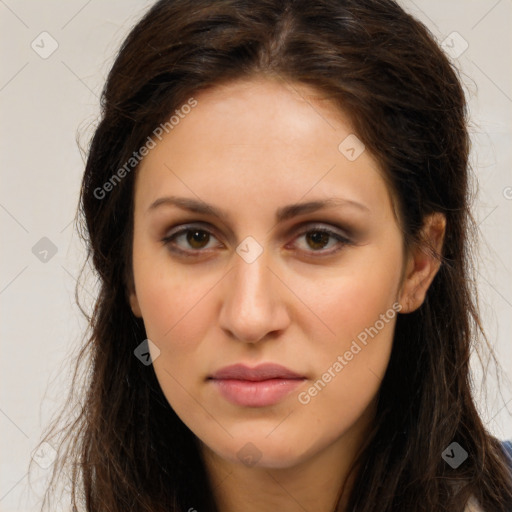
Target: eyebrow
column 282, row 214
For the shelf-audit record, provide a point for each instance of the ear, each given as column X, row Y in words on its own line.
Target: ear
column 423, row 262
column 134, row 301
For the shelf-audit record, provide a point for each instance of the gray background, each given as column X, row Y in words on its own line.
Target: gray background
column 45, row 99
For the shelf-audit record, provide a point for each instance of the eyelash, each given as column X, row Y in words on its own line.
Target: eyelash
column 169, row 240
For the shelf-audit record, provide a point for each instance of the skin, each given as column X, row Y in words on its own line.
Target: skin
column 251, row 147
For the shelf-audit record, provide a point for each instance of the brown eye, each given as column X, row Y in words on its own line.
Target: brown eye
column 317, row 239
column 197, row 238
column 322, row 241
column 189, row 240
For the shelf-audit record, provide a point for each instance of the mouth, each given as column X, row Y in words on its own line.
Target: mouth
column 262, row 386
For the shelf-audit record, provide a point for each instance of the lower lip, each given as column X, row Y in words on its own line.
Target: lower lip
column 256, row 393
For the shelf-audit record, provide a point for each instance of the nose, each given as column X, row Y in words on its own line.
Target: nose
column 253, row 303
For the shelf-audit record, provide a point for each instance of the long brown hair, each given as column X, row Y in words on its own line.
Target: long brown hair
column 126, row 448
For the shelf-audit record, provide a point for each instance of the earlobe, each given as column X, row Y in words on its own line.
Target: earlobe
column 423, row 263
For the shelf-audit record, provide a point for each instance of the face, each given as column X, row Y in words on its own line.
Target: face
column 297, row 262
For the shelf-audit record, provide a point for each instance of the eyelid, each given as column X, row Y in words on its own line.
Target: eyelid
column 308, row 226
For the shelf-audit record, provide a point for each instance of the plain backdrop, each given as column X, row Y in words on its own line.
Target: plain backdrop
column 55, row 57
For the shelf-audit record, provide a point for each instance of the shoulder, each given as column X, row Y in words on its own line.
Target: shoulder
column 507, row 448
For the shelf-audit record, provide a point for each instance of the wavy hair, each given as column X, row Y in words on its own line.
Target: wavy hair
column 126, row 448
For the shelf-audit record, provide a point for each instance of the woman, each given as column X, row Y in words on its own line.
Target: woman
column 276, row 203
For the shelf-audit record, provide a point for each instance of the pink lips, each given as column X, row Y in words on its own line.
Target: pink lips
column 264, row 385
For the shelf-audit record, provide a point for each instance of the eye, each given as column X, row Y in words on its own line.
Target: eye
column 195, row 240
column 318, row 238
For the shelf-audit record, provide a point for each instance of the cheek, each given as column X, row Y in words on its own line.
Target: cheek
column 176, row 317
column 351, row 299
column 175, row 310
column 357, row 309
column 167, row 298
column 351, row 356
column 348, row 366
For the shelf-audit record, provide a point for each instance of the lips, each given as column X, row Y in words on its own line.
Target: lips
column 261, row 372
column 261, row 386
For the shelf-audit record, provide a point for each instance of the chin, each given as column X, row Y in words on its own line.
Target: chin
column 262, row 452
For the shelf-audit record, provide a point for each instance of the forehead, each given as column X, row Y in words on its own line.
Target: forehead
column 261, row 139
column 266, row 111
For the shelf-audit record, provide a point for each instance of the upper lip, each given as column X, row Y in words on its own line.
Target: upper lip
column 261, row 372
